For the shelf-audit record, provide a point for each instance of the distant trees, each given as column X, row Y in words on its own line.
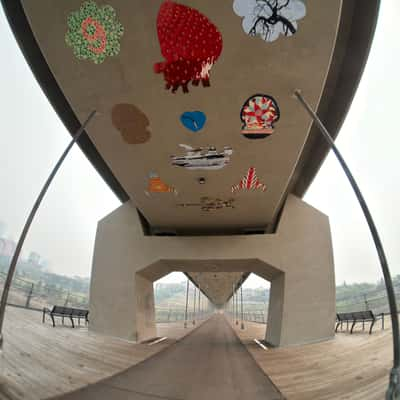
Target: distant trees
column 176, row 292
column 47, row 281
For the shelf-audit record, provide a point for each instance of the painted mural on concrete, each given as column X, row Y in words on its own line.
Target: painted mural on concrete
column 258, row 115
column 94, row 32
column 190, row 44
column 156, row 185
column 202, row 157
column 131, row 122
column 249, row 182
column 193, row 120
column 270, row 18
column 210, row 204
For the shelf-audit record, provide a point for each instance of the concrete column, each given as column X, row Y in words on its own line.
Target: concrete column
column 297, row 260
column 121, row 301
column 275, row 310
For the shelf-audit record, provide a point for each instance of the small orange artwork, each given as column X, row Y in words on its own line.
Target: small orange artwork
column 156, row 185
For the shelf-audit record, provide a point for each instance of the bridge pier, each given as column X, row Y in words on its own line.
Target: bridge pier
column 297, row 260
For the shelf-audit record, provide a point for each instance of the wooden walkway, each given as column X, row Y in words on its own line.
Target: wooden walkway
column 352, row 367
column 208, row 364
column 40, row 361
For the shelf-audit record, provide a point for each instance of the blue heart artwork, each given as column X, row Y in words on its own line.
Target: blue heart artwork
column 193, row 120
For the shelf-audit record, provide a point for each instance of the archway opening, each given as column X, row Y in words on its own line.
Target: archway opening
column 249, row 304
column 256, row 294
column 177, row 298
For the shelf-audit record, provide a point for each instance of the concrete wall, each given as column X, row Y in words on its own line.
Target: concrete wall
column 297, row 260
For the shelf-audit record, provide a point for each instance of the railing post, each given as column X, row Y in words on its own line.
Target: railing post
column 194, row 304
column 233, row 302
column 366, row 302
column 187, row 302
column 198, row 308
column 383, row 321
column 237, row 308
column 29, row 297
column 241, row 305
column 66, row 300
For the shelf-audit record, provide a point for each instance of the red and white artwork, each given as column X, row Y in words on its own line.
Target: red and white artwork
column 258, row 115
column 190, row 44
column 249, row 182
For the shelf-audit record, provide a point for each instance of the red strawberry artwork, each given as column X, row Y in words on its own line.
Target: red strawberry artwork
column 190, row 44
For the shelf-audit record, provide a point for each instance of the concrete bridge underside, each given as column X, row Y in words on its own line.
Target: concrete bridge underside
column 297, row 260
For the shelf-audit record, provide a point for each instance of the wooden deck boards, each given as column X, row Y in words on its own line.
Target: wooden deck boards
column 40, row 361
column 348, row 367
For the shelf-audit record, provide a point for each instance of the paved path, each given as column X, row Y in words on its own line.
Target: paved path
column 208, row 364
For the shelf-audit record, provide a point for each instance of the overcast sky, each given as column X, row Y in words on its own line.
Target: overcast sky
column 32, row 138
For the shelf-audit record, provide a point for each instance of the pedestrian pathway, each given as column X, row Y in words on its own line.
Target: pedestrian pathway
column 210, row 363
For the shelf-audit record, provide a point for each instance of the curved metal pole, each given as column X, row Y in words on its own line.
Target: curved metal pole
column 393, row 391
column 25, row 230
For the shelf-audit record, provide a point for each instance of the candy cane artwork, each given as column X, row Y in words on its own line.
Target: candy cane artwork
column 249, row 182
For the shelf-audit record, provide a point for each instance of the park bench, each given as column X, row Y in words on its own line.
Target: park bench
column 355, row 317
column 71, row 313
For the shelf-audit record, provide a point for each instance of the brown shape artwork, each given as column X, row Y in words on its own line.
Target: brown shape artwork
column 131, row 122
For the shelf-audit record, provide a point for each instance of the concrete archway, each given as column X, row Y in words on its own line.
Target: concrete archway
column 297, row 260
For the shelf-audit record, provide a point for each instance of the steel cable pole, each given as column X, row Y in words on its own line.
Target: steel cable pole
column 28, row 222
column 393, row 391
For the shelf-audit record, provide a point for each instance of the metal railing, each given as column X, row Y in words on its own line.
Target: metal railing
column 36, row 295
column 165, row 315
column 375, row 300
column 259, row 316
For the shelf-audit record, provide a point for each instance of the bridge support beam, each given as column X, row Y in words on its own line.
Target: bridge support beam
column 297, row 260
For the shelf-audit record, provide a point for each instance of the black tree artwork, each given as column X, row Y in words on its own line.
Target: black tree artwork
column 270, row 18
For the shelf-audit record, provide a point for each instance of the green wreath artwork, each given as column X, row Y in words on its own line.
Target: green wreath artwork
column 94, row 32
